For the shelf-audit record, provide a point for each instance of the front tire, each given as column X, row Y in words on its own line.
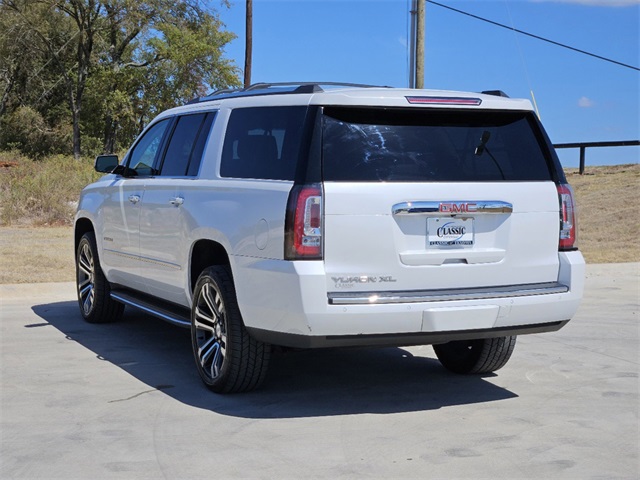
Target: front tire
column 227, row 358
column 484, row 355
column 94, row 291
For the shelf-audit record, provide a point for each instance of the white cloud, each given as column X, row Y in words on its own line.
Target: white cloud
column 597, row 3
column 585, row 102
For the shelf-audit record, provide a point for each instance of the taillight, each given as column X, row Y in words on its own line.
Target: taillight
column 303, row 226
column 568, row 224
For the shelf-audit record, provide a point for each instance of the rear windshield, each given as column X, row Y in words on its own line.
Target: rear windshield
column 392, row 145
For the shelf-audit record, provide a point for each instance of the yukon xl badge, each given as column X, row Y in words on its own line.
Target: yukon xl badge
column 349, row 282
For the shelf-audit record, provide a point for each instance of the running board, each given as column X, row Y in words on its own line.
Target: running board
column 166, row 311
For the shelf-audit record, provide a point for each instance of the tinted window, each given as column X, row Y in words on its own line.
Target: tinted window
column 198, row 148
column 144, row 153
column 186, row 145
column 263, row 143
column 422, row 146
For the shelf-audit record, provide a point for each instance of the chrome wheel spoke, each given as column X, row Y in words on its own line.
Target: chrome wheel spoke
column 87, row 302
column 211, row 357
column 83, row 268
column 85, row 262
column 216, row 363
column 212, row 300
column 82, row 285
column 203, row 321
column 87, row 287
column 206, row 350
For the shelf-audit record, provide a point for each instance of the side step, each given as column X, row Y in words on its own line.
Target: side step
column 169, row 312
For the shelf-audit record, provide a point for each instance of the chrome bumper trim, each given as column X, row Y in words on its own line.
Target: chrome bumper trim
column 420, row 296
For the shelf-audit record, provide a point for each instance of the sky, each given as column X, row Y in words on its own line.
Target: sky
column 579, row 98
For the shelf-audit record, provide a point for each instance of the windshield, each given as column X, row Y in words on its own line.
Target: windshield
column 426, row 145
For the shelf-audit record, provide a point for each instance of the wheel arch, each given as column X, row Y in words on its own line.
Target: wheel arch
column 205, row 253
column 82, row 226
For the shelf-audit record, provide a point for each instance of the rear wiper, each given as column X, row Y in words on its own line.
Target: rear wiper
column 486, row 135
column 482, row 147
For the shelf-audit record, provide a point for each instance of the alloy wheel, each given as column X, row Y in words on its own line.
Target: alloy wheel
column 210, row 330
column 86, row 278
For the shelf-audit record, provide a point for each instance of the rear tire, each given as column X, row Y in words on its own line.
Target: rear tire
column 476, row 356
column 228, row 359
column 94, row 291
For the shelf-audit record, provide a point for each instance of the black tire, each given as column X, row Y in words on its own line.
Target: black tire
column 476, row 356
column 94, row 291
column 228, row 359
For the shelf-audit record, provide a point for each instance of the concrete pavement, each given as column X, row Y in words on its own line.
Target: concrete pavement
column 123, row 401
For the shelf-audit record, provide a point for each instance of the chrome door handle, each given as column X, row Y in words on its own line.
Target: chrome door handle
column 134, row 198
column 177, row 201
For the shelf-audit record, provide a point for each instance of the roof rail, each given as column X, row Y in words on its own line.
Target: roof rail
column 275, row 89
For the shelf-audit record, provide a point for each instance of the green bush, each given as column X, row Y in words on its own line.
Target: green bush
column 41, row 192
column 27, row 131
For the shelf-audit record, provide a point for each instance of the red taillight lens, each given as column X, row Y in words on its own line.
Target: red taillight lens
column 303, row 228
column 568, row 224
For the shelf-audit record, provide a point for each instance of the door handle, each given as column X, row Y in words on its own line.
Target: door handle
column 177, row 201
column 134, row 198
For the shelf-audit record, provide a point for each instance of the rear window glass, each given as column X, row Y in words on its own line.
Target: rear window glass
column 263, row 142
column 368, row 145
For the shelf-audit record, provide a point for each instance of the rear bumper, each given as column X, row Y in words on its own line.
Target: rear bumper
column 286, row 303
column 396, row 339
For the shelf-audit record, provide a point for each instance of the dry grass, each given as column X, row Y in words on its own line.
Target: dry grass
column 608, row 217
column 41, row 192
column 36, row 255
column 609, row 230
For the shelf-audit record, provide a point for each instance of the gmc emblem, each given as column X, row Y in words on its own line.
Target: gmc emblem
column 458, row 207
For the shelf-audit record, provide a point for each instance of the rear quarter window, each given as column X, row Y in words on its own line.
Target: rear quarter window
column 426, row 145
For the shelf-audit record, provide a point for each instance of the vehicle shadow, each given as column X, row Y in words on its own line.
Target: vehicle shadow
column 311, row 383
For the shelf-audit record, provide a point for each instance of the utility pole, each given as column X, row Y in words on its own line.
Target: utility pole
column 416, row 47
column 248, row 48
column 412, row 44
column 420, row 44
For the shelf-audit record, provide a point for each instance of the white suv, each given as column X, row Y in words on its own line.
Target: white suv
column 307, row 215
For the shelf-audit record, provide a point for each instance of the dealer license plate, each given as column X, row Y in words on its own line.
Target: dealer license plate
column 448, row 231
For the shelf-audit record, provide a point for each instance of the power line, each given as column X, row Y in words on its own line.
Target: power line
column 533, row 36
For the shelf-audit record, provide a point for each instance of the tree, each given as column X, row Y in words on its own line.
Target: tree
column 32, row 96
column 127, row 59
column 159, row 54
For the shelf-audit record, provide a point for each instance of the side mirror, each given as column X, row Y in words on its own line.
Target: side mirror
column 106, row 163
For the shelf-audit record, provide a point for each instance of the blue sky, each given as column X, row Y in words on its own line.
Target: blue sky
column 580, row 98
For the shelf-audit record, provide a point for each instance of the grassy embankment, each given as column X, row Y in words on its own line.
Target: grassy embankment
column 37, row 201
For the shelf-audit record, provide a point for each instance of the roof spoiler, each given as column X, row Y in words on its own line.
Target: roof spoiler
column 495, row 93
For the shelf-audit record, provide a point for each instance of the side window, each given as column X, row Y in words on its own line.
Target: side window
column 263, row 142
column 198, row 149
column 144, row 153
column 186, row 145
